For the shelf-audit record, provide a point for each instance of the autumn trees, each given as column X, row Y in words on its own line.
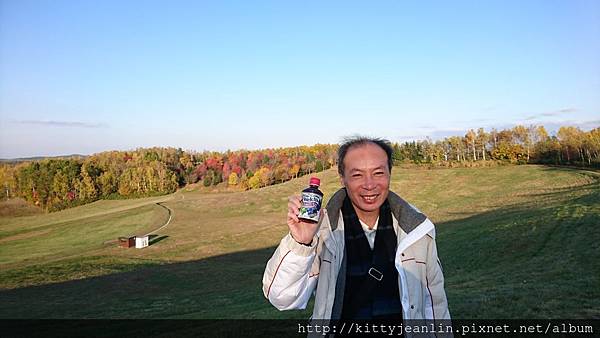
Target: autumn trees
column 55, row 184
column 520, row 144
column 259, row 168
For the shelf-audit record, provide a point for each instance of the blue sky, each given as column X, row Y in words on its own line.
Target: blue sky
column 88, row 76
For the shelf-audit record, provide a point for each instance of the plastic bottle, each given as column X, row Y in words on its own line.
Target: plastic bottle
column 312, row 199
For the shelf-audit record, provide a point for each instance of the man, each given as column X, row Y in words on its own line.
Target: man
column 371, row 256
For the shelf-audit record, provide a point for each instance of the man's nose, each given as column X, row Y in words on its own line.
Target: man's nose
column 369, row 182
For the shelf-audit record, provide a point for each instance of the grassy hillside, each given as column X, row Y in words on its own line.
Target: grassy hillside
column 515, row 241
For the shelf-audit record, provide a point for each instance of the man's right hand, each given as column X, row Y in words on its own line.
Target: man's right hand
column 302, row 232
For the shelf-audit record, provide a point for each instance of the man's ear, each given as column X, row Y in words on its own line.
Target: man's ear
column 342, row 181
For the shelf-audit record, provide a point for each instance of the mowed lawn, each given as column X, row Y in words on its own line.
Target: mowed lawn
column 514, row 241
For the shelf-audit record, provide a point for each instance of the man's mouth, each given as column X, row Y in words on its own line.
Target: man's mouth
column 369, row 198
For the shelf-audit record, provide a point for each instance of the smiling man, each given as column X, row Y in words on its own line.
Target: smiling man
column 372, row 255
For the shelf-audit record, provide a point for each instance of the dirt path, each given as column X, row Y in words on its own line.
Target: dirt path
column 171, row 213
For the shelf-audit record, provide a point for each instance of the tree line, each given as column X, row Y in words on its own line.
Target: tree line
column 56, row 184
column 519, row 145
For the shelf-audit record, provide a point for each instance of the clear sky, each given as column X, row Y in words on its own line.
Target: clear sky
column 88, row 76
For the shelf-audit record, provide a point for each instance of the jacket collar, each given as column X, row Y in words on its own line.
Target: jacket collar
column 408, row 216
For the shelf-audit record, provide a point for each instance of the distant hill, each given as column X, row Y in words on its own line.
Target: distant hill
column 39, row 158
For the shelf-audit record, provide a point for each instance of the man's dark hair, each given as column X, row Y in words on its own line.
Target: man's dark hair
column 354, row 141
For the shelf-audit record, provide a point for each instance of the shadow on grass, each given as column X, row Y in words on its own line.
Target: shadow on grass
column 529, row 260
column 226, row 286
column 153, row 239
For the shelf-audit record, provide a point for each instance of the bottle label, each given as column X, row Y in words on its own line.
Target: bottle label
column 311, row 206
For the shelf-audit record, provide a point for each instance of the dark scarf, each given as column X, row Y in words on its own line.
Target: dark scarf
column 365, row 297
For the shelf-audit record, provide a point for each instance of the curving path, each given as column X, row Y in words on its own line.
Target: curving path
column 171, row 213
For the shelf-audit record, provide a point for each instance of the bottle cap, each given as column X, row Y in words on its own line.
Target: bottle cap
column 315, row 181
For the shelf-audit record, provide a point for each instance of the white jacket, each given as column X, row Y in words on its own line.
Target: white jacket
column 295, row 270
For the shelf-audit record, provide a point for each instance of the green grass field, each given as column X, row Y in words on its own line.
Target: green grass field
column 515, row 242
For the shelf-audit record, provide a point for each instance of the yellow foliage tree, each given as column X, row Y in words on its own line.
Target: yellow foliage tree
column 254, row 181
column 233, row 179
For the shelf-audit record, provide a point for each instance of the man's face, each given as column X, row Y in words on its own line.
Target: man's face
column 366, row 177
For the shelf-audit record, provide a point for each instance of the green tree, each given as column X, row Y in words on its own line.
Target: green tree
column 7, row 180
column 108, row 183
column 208, row 178
column 88, row 187
column 60, row 189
